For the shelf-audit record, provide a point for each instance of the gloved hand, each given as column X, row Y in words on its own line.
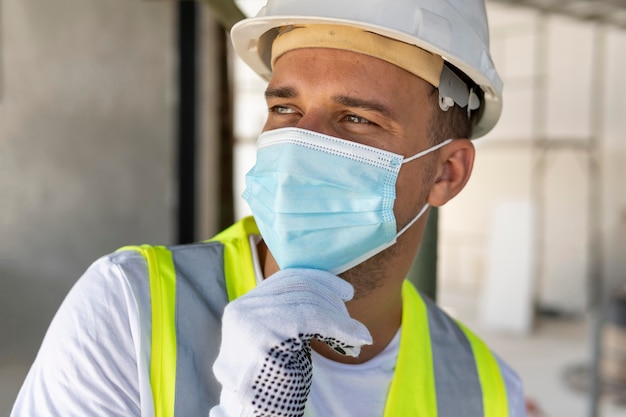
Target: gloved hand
column 264, row 364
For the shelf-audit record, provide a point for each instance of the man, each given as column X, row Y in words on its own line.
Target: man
column 305, row 309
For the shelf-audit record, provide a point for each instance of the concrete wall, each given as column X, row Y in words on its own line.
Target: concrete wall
column 87, row 100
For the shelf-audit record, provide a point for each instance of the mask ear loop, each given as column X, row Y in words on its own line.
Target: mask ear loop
column 416, row 218
column 427, row 151
column 409, row 159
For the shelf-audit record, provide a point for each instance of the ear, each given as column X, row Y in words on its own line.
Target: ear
column 453, row 170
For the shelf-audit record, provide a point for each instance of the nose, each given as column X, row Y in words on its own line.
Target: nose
column 317, row 121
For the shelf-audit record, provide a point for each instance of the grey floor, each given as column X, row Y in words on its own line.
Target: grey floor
column 543, row 359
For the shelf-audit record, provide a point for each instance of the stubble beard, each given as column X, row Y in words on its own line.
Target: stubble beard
column 370, row 274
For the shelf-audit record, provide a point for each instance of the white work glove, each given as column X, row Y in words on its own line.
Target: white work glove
column 264, row 364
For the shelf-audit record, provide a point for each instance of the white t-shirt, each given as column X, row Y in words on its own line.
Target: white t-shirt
column 352, row 390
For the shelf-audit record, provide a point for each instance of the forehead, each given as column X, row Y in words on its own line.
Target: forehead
column 333, row 71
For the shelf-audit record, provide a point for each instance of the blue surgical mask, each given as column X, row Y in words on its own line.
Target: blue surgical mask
column 322, row 202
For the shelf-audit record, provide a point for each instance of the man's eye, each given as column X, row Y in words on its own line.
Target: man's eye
column 281, row 110
column 356, row 119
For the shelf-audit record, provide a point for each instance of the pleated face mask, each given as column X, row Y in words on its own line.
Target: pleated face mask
column 322, row 202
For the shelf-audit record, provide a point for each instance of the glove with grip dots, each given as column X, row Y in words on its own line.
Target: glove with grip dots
column 264, row 363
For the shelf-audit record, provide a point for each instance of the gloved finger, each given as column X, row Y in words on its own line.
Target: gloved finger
column 317, row 279
column 353, row 351
column 350, row 342
column 340, row 331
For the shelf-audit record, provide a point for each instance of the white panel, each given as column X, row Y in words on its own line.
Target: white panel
column 566, row 237
column 507, row 295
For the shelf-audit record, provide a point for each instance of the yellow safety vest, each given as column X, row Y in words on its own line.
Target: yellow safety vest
column 427, row 382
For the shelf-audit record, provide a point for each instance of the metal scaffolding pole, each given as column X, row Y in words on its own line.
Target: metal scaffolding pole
column 595, row 277
column 187, row 123
column 540, row 148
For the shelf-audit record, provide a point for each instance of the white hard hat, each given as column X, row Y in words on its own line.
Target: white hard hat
column 456, row 30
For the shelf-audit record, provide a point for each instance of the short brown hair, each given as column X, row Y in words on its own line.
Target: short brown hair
column 450, row 124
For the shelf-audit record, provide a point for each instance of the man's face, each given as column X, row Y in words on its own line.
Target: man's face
column 362, row 99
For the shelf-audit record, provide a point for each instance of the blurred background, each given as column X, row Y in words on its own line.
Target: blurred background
column 130, row 121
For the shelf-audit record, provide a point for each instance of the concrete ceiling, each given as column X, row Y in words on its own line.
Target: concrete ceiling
column 612, row 12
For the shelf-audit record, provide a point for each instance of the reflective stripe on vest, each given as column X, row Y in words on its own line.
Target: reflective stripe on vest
column 162, row 277
column 432, row 360
column 238, row 266
column 443, row 369
column 493, row 388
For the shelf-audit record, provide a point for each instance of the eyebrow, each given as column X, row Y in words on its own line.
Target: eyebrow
column 349, row 101
column 281, row 92
column 371, row 105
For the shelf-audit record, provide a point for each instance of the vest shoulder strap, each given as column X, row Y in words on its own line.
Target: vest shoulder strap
column 187, row 292
column 190, row 286
column 162, row 278
column 494, row 393
column 238, row 266
column 440, row 359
